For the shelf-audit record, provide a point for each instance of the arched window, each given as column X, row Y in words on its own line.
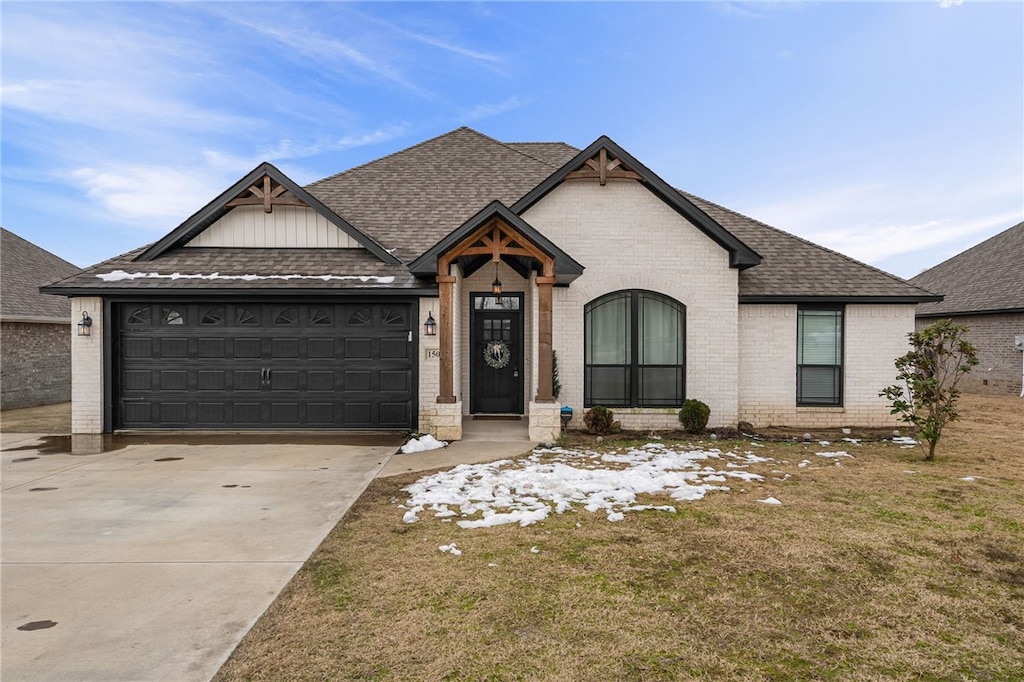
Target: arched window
column 635, row 350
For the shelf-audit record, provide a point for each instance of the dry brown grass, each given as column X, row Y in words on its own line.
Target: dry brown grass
column 865, row 572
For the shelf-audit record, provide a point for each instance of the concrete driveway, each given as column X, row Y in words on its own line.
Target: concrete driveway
column 151, row 561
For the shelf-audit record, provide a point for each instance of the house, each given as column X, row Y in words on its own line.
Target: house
column 437, row 282
column 35, row 338
column 984, row 290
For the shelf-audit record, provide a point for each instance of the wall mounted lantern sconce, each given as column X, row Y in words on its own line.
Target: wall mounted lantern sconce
column 430, row 326
column 85, row 326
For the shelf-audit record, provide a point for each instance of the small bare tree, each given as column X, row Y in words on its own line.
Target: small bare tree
column 926, row 396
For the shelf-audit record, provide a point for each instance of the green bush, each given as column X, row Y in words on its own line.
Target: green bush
column 693, row 415
column 599, row 420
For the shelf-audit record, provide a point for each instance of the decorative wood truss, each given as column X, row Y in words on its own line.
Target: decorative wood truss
column 496, row 238
column 602, row 166
column 268, row 193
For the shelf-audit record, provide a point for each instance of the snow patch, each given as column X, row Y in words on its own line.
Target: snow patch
column 422, row 444
column 559, row 480
column 769, row 500
column 121, row 276
column 838, row 453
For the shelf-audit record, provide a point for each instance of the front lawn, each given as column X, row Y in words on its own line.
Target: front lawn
column 874, row 566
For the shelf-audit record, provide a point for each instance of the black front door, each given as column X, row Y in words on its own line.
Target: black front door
column 496, row 352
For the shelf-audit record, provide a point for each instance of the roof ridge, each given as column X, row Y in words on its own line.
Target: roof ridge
column 970, row 250
column 808, row 242
column 531, row 156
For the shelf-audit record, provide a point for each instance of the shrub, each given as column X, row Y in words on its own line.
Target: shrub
column 599, row 420
column 693, row 415
column 926, row 393
column 556, row 383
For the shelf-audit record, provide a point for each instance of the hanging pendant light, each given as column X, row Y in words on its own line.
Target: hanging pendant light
column 496, row 284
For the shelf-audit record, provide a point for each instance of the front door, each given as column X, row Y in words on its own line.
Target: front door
column 496, row 354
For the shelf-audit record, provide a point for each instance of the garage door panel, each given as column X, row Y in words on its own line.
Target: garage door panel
column 211, row 414
column 137, row 380
column 208, row 348
column 394, row 380
column 358, row 349
column 210, row 380
column 287, row 349
column 392, row 349
column 138, row 348
column 173, row 414
column 247, row 348
column 246, row 379
column 173, row 380
column 174, row 348
column 248, row 366
column 284, row 380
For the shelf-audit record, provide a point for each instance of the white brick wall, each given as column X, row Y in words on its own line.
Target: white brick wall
column 87, row 368
column 875, row 335
column 429, row 368
column 627, row 238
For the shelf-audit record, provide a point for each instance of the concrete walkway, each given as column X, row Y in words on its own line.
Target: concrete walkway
column 150, row 562
column 482, row 441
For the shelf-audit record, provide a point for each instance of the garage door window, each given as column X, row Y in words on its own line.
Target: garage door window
column 286, row 317
column 213, row 316
column 171, row 316
column 246, row 316
column 140, row 317
column 319, row 316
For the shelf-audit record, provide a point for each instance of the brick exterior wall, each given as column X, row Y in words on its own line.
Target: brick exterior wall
column 627, row 238
column 35, row 364
column 87, row 369
column 875, row 335
column 999, row 371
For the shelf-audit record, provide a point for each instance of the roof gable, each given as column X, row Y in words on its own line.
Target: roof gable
column 986, row 278
column 604, row 160
column 566, row 268
column 264, row 186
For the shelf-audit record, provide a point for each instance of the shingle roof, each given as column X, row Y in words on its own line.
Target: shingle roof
column 23, row 268
column 413, row 198
column 248, row 269
column 988, row 277
column 410, row 200
column 792, row 267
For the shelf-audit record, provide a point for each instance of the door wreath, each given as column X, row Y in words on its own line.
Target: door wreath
column 497, row 354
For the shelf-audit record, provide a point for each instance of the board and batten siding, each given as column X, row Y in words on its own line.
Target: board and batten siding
column 295, row 227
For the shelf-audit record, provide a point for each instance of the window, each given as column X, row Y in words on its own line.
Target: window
column 213, row 315
column 819, row 356
column 287, row 316
column 635, row 350
column 319, row 317
column 139, row 317
column 171, row 316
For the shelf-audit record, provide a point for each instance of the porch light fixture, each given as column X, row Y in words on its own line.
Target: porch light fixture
column 496, row 284
column 430, row 326
column 85, row 325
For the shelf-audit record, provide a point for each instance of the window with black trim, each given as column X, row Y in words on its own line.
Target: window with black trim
column 819, row 356
column 635, row 350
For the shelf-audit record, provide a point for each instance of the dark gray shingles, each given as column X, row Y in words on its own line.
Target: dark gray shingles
column 792, row 266
column 24, row 267
column 985, row 277
column 411, row 199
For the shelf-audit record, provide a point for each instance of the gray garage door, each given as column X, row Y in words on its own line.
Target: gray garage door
column 263, row 365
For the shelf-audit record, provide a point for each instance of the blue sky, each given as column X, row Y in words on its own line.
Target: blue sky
column 892, row 132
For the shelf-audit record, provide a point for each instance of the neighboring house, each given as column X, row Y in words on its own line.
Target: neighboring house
column 279, row 306
column 983, row 288
column 35, row 336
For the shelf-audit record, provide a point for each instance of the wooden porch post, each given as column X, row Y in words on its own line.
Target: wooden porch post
column 446, row 284
column 545, row 394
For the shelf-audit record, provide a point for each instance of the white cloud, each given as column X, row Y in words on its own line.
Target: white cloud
column 487, row 110
column 946, row 4
column 149, row 195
